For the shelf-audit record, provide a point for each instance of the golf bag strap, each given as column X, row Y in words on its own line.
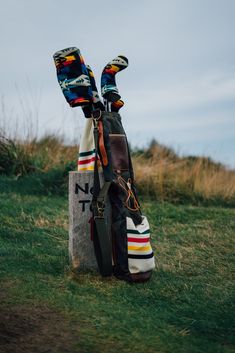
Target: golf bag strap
column 102, row 247
column 96, row 187
column 102, row 239
column 104, row 191
column 99, row 194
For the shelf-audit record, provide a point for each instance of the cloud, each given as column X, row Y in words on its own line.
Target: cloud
column 180, row 82
column 183, row 96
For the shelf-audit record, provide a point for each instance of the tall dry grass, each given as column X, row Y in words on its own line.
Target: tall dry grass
column 160, row 173
column 50, row 152
column 23, row 157
column 163, row 175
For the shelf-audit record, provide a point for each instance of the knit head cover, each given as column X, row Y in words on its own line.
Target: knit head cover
column 73, row 77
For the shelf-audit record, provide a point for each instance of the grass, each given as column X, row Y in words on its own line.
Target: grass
column 165, row 176
column 187, row 306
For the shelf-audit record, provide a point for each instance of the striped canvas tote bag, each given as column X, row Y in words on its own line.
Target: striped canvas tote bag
column 140, row 253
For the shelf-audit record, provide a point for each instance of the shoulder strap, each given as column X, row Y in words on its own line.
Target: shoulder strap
column 102, row 238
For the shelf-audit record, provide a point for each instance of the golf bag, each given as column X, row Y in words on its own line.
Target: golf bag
column 121, row 233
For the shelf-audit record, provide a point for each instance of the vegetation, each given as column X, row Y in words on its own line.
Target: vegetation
column 186, row 307
column 165, row 176
column 44, row 307
column 168, row 177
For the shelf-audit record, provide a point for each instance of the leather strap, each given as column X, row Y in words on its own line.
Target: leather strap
column 102, row 149
column 101, row 236
column 96, row 187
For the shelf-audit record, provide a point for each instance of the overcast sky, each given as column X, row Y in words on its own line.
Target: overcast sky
column 179, row 87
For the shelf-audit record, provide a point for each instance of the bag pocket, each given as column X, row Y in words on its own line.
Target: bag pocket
column 140, row 253
column 119, row 152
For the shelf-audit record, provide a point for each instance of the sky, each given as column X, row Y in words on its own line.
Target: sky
column 179, row 87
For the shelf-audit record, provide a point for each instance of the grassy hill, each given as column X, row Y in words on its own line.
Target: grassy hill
column 187, row 306
column 165, row 177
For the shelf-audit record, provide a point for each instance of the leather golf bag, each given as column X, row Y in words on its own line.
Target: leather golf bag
column 120, row 232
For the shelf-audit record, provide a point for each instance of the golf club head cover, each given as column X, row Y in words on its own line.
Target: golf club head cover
column 73, row 77
column 97, row 103
column 108, row 82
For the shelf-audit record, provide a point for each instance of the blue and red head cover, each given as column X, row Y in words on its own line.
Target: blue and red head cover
column 73, row 77
column 78, row 85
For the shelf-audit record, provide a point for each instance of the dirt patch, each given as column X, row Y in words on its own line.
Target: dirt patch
column 36, row 329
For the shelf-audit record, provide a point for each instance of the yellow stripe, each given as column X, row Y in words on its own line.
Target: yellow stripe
column 140, row 248
column 115, row 68
column 86, row 168
column 70, row 57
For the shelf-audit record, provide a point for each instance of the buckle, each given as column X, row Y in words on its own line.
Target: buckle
column 100, row 208
column 96, row 114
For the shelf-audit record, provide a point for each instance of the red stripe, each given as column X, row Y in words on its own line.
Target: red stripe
column 138, row 240
column 66, row 63
column 79, row 100
column 85, row 161
column 110, row 71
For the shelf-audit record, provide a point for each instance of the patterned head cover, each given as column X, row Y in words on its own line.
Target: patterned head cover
column 73, row 77
column 108, row 82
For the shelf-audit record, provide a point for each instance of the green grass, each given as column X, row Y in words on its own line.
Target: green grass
column 187, row 306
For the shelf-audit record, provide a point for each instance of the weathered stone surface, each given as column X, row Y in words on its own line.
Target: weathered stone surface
column 81, row 250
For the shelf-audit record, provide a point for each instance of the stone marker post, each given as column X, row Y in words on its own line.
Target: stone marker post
column 81, row 248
